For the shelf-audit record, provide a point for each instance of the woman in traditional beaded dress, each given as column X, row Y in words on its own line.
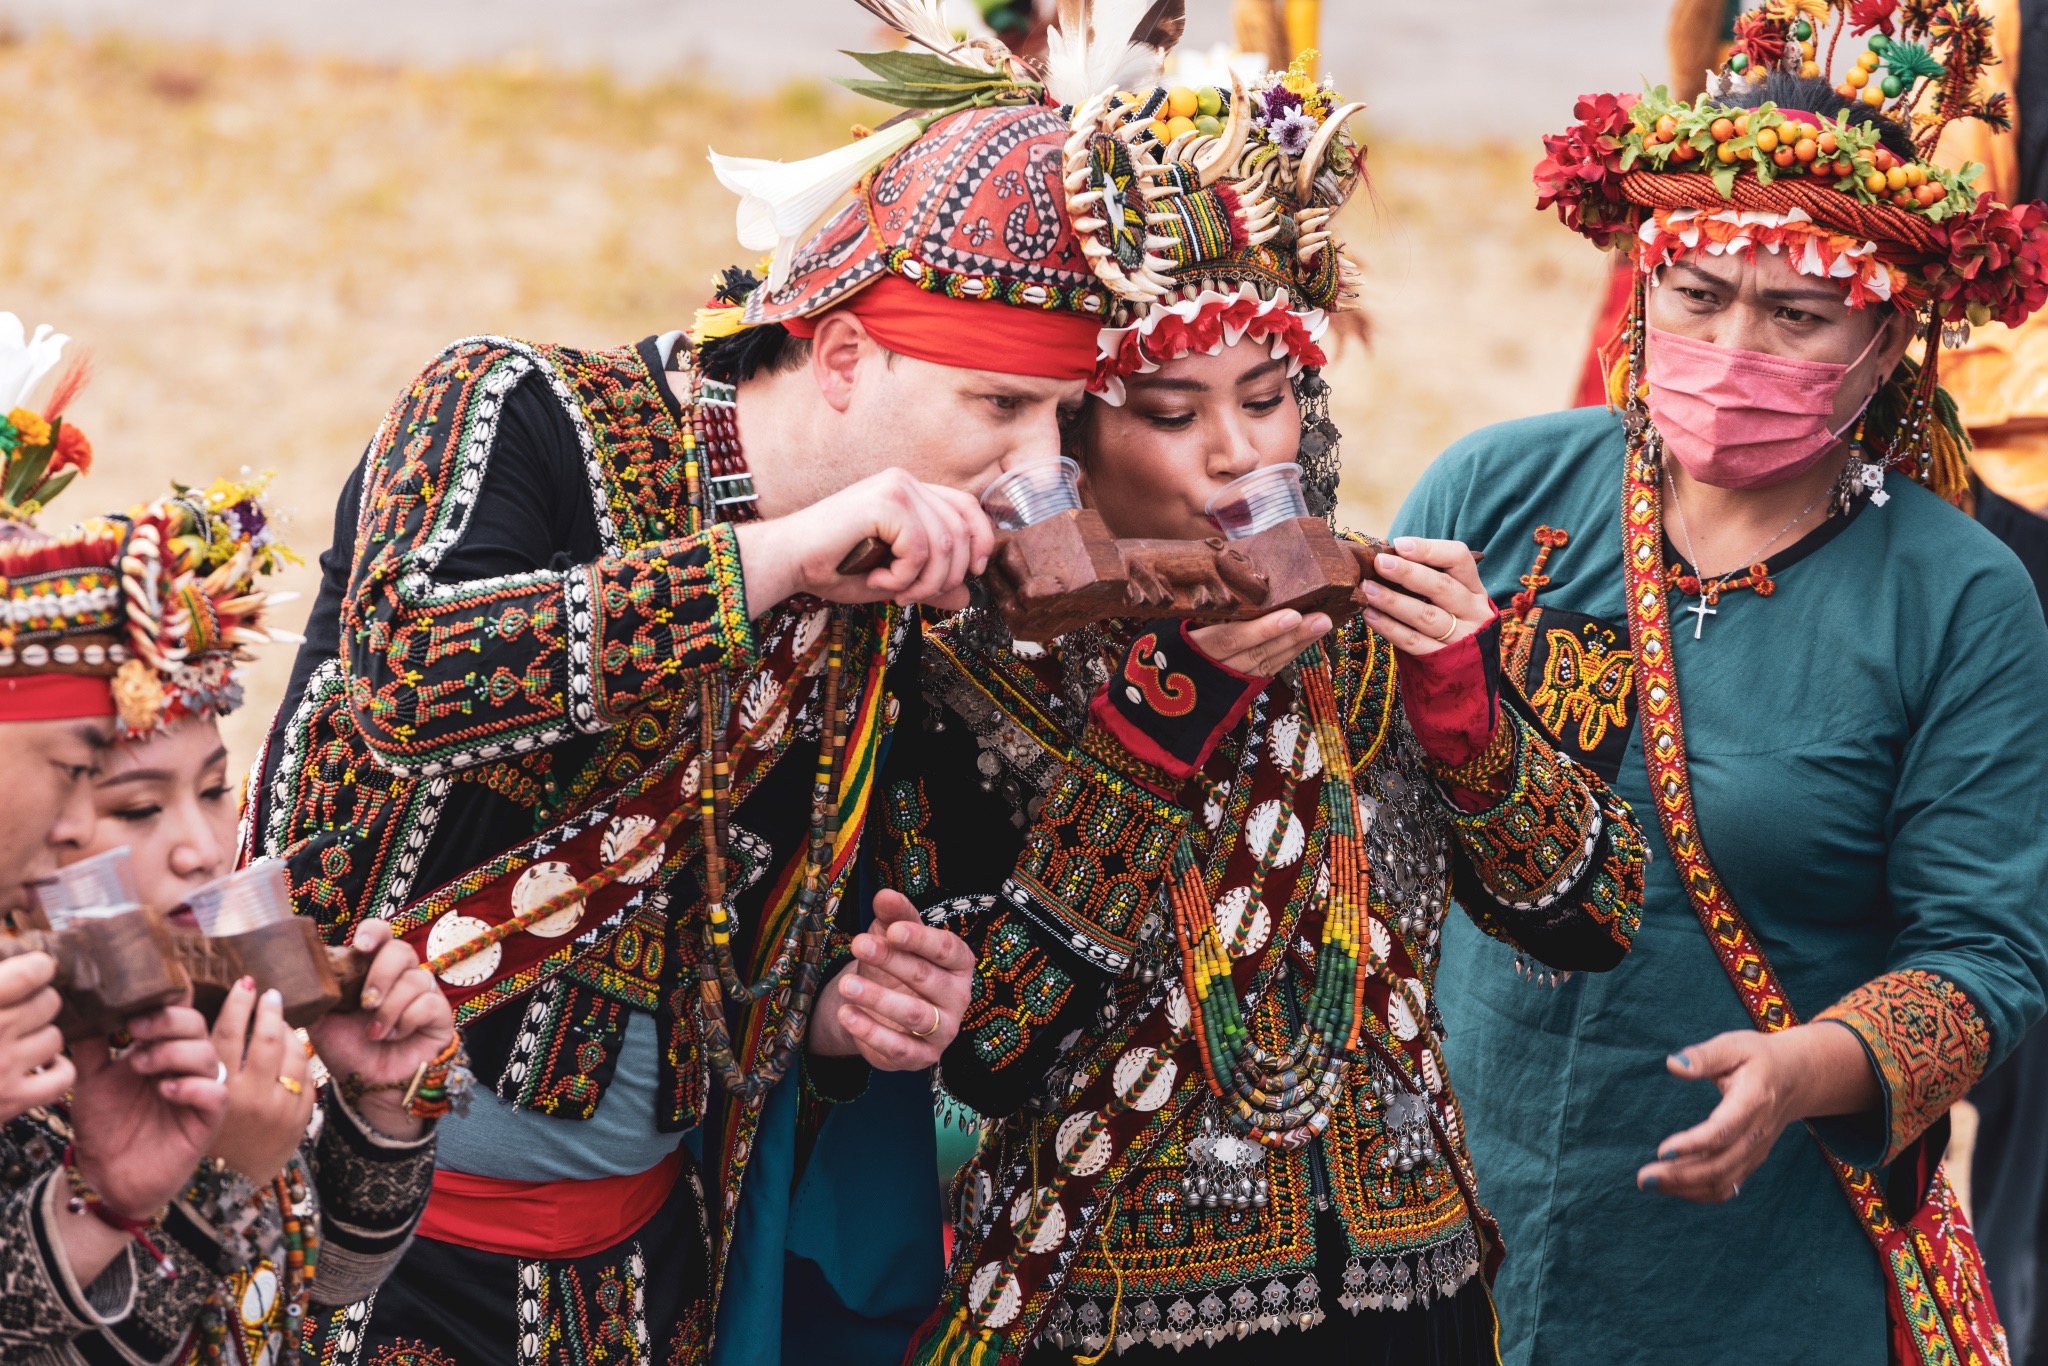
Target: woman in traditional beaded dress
column 1852, row 806
column 237, row 1275
column 1202, row 1028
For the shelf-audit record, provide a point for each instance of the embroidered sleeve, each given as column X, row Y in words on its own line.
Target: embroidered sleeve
column 444, row 674
column 42, row 1306
column 1928, row 1044
column 372, row 1191
column 1555, row 865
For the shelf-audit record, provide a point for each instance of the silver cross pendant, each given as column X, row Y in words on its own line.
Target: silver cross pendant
column 1700, row 612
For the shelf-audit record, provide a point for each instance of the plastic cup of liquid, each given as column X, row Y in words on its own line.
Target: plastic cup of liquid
column 247, row 899
column 1254, row 502
column 1031, row 493
column 103, row 885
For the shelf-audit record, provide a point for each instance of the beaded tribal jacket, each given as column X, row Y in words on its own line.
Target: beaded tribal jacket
column 1076, row 956
column 367, row 1191
column 502, row 668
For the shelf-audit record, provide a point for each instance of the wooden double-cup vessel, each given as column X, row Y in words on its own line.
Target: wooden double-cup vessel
column 1057, row 567
column 117, row 959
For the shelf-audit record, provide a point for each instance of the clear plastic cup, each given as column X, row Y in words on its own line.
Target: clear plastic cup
column 1251, row 503
column 103, row 885
column 244, row 900
column 1031, row 493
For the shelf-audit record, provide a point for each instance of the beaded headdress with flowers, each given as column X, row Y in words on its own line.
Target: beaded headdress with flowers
column 160, row 604
column 1208, row 211
column 1848, row 192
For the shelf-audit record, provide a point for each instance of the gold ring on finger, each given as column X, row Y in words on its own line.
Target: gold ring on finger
column 937, row 1020
column 1449, row 631
column 291, row 1084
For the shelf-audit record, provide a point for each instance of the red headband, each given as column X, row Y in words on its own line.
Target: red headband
column 968, row 333
column 54, row 697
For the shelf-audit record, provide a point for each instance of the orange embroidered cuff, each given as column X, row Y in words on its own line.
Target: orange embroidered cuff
column 1928, row 1043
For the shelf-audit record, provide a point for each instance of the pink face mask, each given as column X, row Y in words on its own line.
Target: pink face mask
column 1743, row 419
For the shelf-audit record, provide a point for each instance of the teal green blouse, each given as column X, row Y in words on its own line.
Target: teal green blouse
column 1869, row 757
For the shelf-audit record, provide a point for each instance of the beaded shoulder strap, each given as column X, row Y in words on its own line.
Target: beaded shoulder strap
column 1940, row 1317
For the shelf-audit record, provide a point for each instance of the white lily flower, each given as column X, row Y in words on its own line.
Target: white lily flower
column 780, row 201
column 24, row 360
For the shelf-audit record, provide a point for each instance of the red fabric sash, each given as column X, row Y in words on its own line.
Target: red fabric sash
column 546, row 1219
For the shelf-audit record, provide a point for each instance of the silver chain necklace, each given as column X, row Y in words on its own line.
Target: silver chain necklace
column 1701, row 610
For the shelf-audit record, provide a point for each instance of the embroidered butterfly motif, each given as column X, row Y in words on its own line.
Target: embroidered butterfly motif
column 1585, row 681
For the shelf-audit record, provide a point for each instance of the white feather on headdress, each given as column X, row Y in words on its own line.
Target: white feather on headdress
column 1102, row 45
column 924, row 22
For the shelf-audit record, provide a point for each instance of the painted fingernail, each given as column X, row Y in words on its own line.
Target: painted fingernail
column 1666, row 1154
column 273, row 997
column 370, row 998
column 1682, row 1060
column 1650, row 1182
column 245, row 984
column 376, row 1029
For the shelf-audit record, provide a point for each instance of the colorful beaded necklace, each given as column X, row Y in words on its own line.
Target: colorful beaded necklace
column 1283, row 1100
column 719, row 487
column 799, row 960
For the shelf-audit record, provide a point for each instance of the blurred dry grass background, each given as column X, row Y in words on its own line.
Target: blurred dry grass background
column 259, row 249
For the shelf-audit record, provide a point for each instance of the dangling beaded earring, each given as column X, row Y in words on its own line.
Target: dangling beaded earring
column 1861, row 473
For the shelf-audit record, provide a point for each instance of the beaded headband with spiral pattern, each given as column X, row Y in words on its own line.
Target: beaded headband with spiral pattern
column 162, row 603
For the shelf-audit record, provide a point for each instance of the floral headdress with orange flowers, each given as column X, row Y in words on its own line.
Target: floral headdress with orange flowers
column 1851, row 195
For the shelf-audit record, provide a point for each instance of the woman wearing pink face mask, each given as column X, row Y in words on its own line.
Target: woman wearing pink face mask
column 1743, row 598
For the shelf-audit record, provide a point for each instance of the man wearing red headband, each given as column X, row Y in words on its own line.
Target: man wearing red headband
column 590, row 712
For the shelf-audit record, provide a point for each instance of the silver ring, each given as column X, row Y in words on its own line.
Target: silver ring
column 220, row 1078
column 1734, row 1189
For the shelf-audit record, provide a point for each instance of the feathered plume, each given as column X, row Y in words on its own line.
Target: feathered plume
column 1100, row 45
column 924, row 22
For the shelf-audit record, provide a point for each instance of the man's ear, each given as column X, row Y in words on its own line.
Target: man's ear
column 836, row 351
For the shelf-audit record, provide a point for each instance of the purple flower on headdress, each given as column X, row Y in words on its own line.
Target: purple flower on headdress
column 1292, row 132
column 246, row 521
column 1276, row 104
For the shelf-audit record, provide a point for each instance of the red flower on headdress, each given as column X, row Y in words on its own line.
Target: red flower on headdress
column 1760, row 38
column 73, row 451
column 1581, row 172
column 1866, row 15
column 1997, row 257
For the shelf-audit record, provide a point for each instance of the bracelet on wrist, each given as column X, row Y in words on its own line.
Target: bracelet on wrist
column 84, row 1199
column 436, row 1087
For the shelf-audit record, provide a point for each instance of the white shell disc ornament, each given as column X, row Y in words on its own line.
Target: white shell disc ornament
column 1097, row 1155
column 1259, row 832
column 1130, row 1070
column 624, row 836
column 454, row 929
column 540, row 883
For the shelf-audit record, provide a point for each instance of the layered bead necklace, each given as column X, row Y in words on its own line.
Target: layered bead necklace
column 1283, row 1100
column 719, row 485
